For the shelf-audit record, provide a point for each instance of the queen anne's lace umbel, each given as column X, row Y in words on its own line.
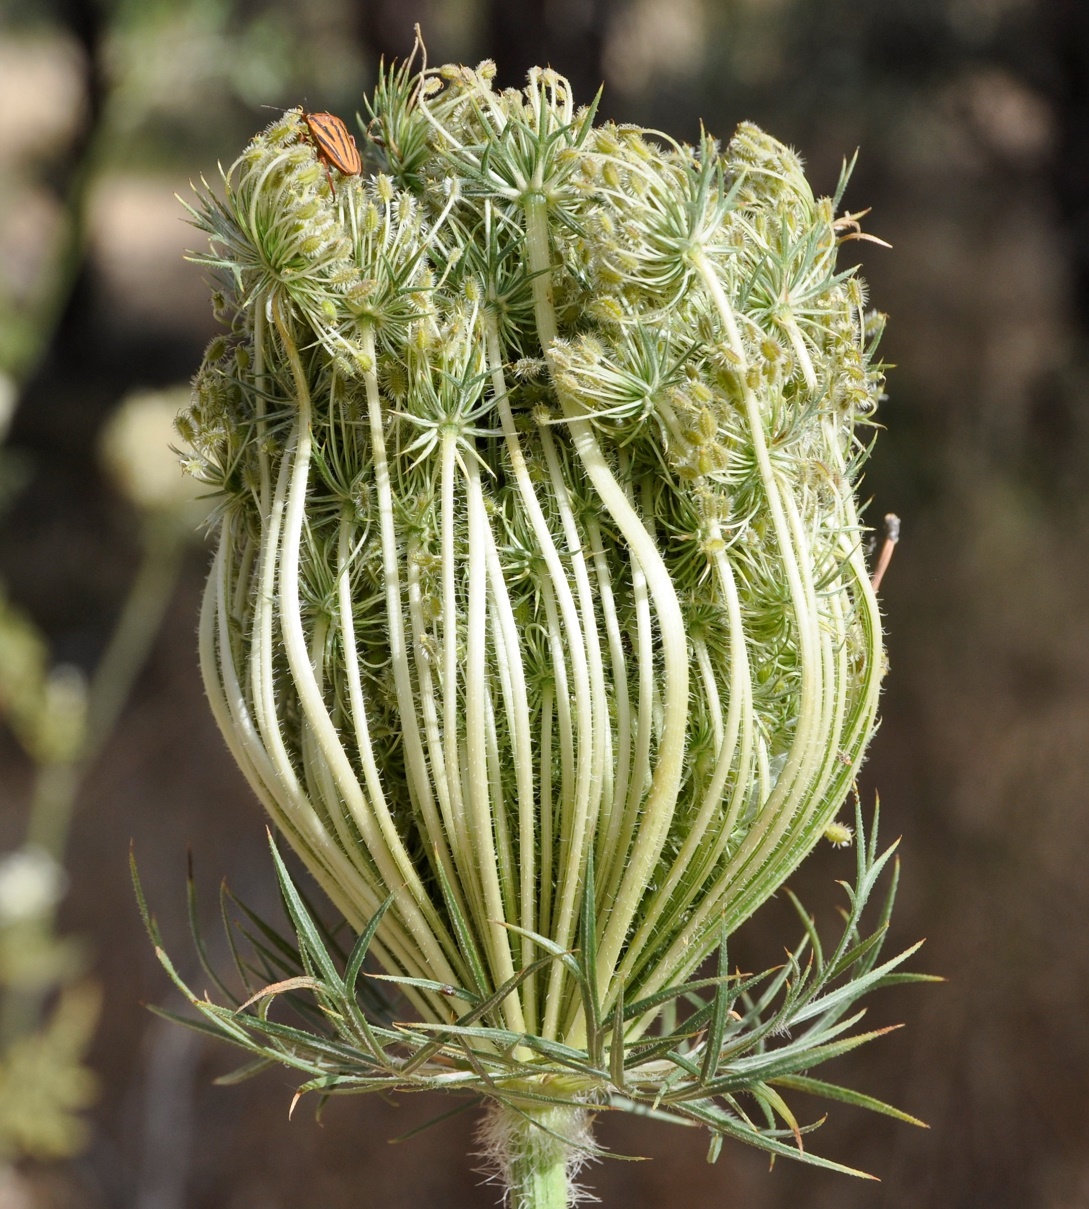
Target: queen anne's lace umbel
column 539, row 619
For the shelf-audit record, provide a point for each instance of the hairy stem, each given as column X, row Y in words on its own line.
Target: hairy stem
column 536, row 1150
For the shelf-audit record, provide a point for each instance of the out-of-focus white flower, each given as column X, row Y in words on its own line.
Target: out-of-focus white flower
column 31, row 882
column 139, row 453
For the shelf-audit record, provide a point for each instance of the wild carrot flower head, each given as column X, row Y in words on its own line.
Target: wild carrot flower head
column 539, row 620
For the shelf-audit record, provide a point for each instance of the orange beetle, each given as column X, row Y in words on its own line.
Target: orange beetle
column 335, row 146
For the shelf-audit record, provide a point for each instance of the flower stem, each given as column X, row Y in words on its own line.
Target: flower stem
column 537, row 1150
column 543, row 1187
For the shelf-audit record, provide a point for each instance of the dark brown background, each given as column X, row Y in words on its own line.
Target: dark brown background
column 973, row 120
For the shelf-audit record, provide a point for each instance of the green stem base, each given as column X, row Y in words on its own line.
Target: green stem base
column 536, row 1150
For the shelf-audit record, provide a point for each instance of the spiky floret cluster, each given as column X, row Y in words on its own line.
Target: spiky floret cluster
column 540, row 595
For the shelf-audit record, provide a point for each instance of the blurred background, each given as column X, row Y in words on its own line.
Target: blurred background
column 973, row 121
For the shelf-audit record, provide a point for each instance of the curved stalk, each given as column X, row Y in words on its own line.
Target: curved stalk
column 393, row 861
column 661, row 799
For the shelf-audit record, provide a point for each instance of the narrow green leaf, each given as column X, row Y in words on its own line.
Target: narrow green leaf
column 229, row 929
column 808, row 924
column 647, row 1051
column 303, row 982
column 567, row 956
column 309, row 935
column 475, row 1065
column 842, row 962
column 480, row 1010
column 638, row 1108
column 150, row 926
column 591, row 1002
column 209, row 1027
column 845, row 995
column 428, row 984
column 641, row 1006
column 782, row 1063
column 890, row 896
column 304, row 1042
column 751, row 1137
column 357, row 1014
column 443, row 1116
column 466, row 940
column 362, row 946
column 845, row 1095
column 492, row 1003
column 684, row 1063
column 616, row 1047
column 775, row 1103
column 285, row 954
column 895, row 980
column 573, row 1059
column 723, row 1003
column 198, row 938
column 242, row 1073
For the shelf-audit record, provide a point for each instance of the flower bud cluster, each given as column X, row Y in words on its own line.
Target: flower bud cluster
column 539, row 564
